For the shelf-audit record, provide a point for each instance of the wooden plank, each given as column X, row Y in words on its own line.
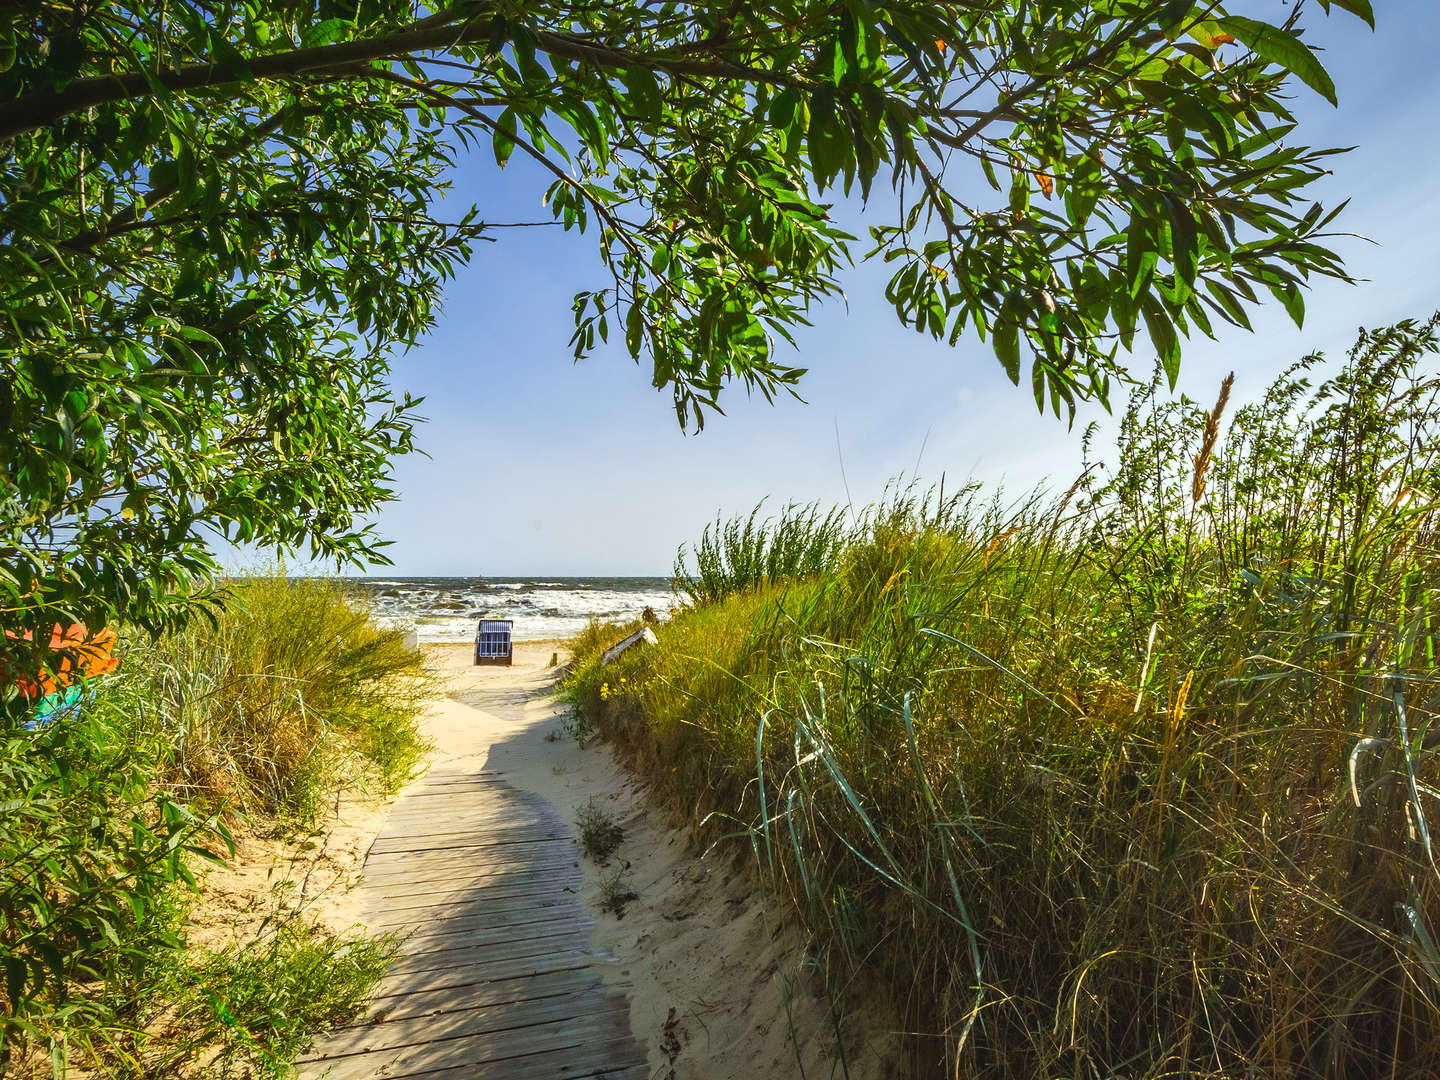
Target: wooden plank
column 550, row 1065
column 493, row 861
column 446, row 776
column 438, row 811
column 570, row 980
column 497, row 923
column 458, row 828
column 496, row 867
column 500, row 849
column 509, row 833
column 465, row 840
column 494, row 1049
column 415, row 889
column 489, row 865
column 461, row 874
column 414, row 982
column 413, row 911
column 459, row 780
column 417, row 897
column 451, row 833
column 418, row 1030
column 484, row 955
column 474, row 937
column 448, row 802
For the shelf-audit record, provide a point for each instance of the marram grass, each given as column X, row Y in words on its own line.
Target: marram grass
column 1136, row 782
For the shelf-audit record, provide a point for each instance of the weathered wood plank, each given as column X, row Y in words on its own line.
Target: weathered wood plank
column 428, row 904
column 584, row 1034
column 488, row 953
column 465, row 844
column 412, row 982
column 416, row 1031
column 516, row 991
column 455, row 879
column 475, row 937
column 560, row 864
column 498, row 979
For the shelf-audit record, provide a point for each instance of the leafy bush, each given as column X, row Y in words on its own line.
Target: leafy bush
column 1124, row 783
column 89, row 857
column 290, row 694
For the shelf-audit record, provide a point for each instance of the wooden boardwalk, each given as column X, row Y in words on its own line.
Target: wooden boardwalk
column 496, row 978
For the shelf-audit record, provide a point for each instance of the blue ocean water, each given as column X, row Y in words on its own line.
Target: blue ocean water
column 447, row 608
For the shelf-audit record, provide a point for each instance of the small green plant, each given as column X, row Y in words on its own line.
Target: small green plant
column 577, row 726
column 616, row 893
column 600, row 831
column 249, row 1010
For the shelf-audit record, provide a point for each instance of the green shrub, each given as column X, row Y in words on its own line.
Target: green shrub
column 290, row 694
column 91, row 855
column 251, row 1009
column 1124, row 783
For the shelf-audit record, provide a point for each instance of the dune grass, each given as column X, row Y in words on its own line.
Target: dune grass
column 1133, row 782
column 263, row 717
column 292, row 693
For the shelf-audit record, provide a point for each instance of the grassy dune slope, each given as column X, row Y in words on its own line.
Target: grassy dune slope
column 1129, row 783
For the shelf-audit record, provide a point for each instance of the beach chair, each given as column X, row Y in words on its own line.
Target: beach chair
column 492, row 642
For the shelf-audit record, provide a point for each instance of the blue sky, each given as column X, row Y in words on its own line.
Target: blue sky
column 542, row 466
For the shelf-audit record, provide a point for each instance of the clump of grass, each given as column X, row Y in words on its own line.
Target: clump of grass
column 600, row 831
column 743, row 553
column 616, row 894
column 293, row 691
column 1123, row 783
column 252, row 1009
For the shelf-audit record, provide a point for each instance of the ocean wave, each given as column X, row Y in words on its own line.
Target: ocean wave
column 446, row 609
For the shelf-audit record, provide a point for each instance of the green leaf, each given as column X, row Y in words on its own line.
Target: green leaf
column 634, row 329
column 1007, row 349
column 1162, row 335
column 1183, row 244
column 326, row 32
column 503, row 137
column 1284, row 49
column 1361, row 8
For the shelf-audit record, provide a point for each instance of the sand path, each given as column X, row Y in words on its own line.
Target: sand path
column 497, row 976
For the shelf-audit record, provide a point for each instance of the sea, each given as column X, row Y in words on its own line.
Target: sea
column 446, row 609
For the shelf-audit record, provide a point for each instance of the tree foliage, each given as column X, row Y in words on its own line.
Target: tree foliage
column 216, row 224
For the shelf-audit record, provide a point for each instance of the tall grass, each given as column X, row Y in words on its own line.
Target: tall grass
column 291, row 693
column 109, row 814
column 1133, row 782
column 742, row 553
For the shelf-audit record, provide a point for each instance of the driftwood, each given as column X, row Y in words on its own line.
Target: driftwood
column 643, row 636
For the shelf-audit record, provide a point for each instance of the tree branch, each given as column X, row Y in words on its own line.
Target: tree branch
column 42, row 108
